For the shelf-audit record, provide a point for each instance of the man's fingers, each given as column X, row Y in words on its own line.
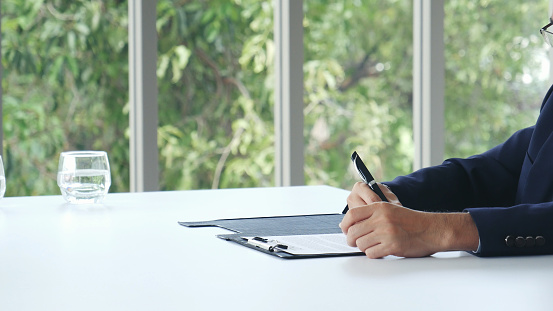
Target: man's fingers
column 361, row 194
column 356, row 215
column 377, row 251
column 379, row 243
column 357, row 231
column 372, row 245
column 361, row 240
column 358, row 195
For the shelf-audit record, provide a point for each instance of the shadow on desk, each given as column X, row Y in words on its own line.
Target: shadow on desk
column 445, row 262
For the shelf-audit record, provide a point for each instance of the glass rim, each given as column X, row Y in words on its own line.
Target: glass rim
column 84, row 153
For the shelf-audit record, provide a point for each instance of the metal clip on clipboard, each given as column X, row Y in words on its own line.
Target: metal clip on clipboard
column 266, row 244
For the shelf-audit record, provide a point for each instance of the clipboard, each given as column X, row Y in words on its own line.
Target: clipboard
column 293, row 237
column 263, row 233
column 279, row 246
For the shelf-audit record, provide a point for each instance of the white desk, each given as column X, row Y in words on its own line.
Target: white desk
column 131, row 254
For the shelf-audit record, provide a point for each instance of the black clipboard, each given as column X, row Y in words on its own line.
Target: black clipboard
column 261, row 227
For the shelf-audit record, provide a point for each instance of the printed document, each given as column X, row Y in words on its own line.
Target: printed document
column 313, row 244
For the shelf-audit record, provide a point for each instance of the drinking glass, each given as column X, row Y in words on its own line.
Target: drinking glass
column 2, row 179
column 84, row 176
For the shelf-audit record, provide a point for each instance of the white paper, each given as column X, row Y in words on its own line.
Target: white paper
column 313, row 244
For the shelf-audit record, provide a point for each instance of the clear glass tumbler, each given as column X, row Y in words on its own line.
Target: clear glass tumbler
column 84, row 176
column 2, row 179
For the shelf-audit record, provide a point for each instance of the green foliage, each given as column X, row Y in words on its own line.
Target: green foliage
column 358, row 67
column 216, row 119
column 494, row 75
column 66, row 86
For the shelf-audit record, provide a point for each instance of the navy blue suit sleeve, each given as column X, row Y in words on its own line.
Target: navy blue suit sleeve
column 489, row 179
column 496, row 223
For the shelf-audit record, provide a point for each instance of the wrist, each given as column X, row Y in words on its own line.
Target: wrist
column 459, row 232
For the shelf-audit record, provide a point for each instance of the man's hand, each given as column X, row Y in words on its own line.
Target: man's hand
column 387, row 228
column 362, row 194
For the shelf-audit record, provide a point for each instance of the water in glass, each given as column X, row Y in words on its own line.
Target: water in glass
column 84, row 176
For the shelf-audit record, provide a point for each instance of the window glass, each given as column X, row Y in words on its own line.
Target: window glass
column 358, row 89
column 215, row 69
column 65, row 87
column 497, row 71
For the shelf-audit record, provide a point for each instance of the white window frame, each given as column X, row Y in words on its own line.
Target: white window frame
column 428, row 82
column 288, row 109
column 143, row 115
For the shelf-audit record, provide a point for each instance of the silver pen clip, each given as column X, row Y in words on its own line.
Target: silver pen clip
column 266, row 244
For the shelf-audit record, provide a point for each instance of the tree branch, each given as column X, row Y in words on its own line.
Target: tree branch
column 211, row 64
column 236, row 137
column 364, row 69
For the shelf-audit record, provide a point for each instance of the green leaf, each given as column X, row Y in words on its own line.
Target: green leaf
column 183, row 54
column 162, row 66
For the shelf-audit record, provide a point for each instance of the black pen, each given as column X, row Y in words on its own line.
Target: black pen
column 366, row 176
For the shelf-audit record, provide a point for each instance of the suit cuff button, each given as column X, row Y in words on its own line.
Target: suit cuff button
column 510, row 241
column 520, row 241
column 530, row 241
column 540, row 240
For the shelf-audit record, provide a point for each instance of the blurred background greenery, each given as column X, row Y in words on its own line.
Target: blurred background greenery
column 65, row 87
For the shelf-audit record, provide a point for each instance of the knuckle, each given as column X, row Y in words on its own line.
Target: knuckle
column 392, row 231
column 359, row 244
column 350, row 198
column 354, row 212
column 352, row 241
column 385, row 211
column 351, row 235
